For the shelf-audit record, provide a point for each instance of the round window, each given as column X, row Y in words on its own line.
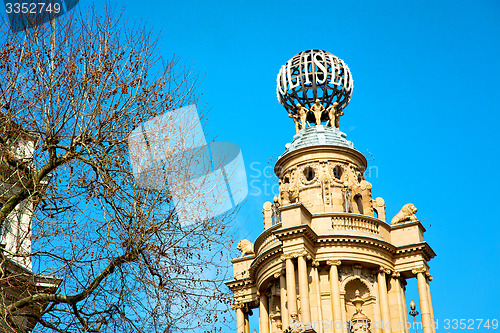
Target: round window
column 309, row 173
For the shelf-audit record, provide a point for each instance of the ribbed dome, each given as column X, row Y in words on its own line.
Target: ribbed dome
column 318, row 135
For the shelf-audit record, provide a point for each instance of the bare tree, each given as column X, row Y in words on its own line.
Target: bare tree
column 110, row 254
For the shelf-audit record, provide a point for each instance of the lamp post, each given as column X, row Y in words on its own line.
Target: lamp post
column 413, row 312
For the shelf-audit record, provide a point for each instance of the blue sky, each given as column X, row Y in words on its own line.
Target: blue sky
column 425, row 106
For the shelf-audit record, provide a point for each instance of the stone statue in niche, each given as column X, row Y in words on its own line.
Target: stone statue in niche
column 289, row 193
column 346, row 191
column 317, row 109
column 406, row 214
column 275, row 317
column 275, row 212
column 293, row 193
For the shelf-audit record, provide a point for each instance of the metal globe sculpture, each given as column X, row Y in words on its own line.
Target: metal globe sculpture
column 314, row 80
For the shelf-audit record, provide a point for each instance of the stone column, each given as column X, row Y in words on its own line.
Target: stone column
column 423, row 295
column 335, row 295
column 290, row 290
column 305, row 307
column 377, row 328
column 396, row 276
column 384, row 303
column 433, row 326
column 315, row 269
column 283, row 309
column 405, row 309
column 247, row 324
column 263, row 314
column 240, row 318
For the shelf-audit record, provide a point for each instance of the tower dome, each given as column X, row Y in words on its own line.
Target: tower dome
column 328, row 261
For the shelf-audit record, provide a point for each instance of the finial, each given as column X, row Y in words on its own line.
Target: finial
column 357, row 301
column 314, row 86
column 413, row 306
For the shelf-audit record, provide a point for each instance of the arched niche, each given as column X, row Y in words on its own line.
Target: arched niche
column 348, row 291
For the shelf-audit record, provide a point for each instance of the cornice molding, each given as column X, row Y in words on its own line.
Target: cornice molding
column 303, row 230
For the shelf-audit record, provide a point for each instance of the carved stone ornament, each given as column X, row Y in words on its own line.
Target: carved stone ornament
column 406, row 214
column 384, row 270
column 238, row 305
column 293, row 255
column 368, row 275
column 333, row 262
column 306, row 170
column 278, row 274
column 246, row 247
column 419, row 270
column 337, row 173
column 346, row 271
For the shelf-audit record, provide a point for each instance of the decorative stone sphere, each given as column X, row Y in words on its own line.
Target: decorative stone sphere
column 311, row 75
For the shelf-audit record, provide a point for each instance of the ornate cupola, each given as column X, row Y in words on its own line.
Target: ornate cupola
column 327, row 260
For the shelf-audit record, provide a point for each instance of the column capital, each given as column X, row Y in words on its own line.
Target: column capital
column 429, row 276
column 419, row 270
column 278, row 274
column 238, row 305
column 396, row 275
column 332, row 262
column 315, row 263
column 294, row 254
column 384, row 270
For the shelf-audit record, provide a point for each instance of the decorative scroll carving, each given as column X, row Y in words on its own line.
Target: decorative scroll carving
column 419, row 270
column 278, row 274
column 238, row 305
column 293, row 255
column 385, row 270
column 334, row 262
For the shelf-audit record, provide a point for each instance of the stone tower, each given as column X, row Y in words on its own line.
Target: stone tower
column 327, row 260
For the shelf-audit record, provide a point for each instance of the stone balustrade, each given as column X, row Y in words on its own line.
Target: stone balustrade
column 356, row 222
